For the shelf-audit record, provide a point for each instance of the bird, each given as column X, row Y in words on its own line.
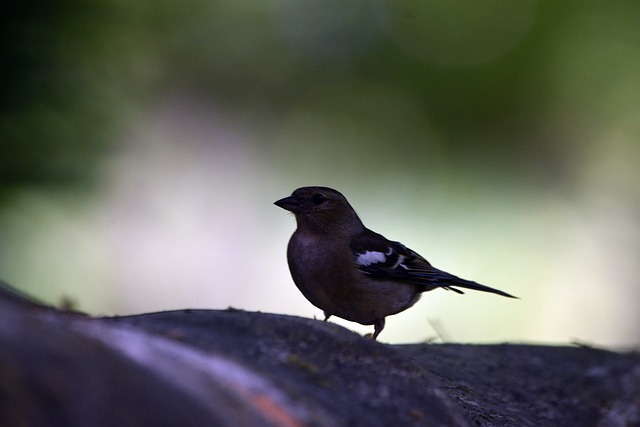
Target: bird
column 352, row 272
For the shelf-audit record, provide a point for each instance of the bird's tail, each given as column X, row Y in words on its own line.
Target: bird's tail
column 450, row 282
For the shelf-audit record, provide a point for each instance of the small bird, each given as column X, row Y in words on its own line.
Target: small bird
column 349, row 271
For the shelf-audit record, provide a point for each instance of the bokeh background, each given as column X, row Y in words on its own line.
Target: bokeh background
column 143, row 144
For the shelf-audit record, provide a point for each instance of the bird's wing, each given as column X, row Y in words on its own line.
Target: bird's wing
column 385, row 259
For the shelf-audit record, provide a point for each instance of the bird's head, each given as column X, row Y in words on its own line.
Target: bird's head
column 321, row 209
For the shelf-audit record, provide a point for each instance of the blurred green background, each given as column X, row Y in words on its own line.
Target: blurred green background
column 143, row 144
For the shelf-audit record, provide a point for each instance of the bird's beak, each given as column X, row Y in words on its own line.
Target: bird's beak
column 290, row 203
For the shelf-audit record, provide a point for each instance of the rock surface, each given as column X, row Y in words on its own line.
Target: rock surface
column 233, row 368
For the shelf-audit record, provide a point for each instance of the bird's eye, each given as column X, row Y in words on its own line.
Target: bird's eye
column 318, row 199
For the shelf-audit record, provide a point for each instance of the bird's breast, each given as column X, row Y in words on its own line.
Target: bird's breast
column 327, row 275
column 320, row 268
column 314, row 259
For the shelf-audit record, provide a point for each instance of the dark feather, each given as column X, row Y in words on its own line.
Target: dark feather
column 403, row 264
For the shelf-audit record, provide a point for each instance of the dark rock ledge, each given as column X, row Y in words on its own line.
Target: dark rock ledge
column 237, row 368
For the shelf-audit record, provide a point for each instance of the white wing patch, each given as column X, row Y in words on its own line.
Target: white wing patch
column 371, row 257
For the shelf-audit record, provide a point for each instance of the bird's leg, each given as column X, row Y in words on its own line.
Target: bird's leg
column 326, row 316
column 378, row 327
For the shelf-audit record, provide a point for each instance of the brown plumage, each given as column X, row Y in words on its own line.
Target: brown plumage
column 351, row 272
